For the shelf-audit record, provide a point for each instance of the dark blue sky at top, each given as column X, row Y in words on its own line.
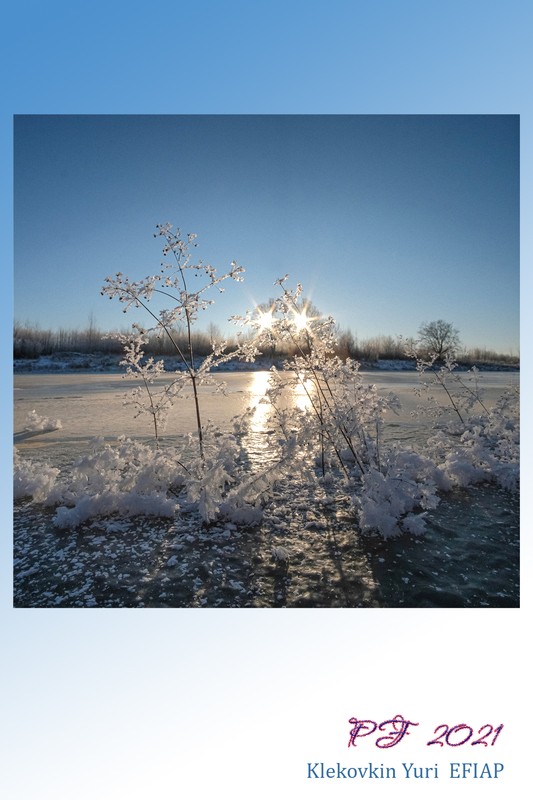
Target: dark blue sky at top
column 387, row 221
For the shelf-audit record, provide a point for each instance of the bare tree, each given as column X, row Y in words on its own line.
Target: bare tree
column 439, row 338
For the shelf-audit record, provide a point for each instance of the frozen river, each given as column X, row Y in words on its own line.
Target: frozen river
column 469, row 556
column 91, row 405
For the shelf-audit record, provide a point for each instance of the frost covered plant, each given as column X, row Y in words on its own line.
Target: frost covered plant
column 487, row 449
column 406, row 481
column 483, row 444
column 146, row 398
column 34, row 422
column 208, row 478
column 126, row 479
column 32, row 480
column 187, row 284
column 345, row 426
column 339, row 418
column 129, row 478
column 445, row 388
column 218, row 482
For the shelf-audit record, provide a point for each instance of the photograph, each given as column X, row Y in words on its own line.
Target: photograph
column 266, row 361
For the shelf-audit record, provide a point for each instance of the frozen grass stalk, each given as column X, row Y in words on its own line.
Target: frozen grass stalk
column 186, row 283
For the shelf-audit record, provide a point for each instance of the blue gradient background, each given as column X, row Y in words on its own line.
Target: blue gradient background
column 167, row 704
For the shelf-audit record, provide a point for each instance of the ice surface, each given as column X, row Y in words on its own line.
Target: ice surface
column 300, row 520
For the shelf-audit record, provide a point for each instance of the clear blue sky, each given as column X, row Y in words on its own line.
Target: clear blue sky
column 387, row 221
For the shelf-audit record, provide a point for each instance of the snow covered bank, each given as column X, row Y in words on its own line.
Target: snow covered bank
column 105, row 363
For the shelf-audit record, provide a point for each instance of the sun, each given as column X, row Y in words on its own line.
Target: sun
column 265, row 319
column 301, row 320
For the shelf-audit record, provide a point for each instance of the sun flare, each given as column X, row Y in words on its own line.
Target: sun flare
column 301, row 320
column 265, row 319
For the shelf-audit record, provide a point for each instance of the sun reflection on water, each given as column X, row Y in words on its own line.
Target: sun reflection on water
column 297, row 394
column 302, row 392
column 259, row 402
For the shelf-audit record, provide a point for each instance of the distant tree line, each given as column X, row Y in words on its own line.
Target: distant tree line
column 32, row 342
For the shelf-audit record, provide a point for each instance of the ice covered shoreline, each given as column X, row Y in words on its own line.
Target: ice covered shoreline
column 108, row 363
